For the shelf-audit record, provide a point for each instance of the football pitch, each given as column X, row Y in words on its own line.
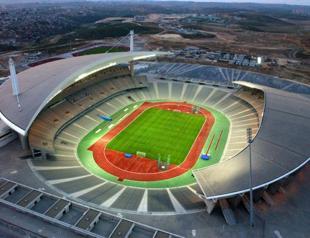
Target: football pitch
column 160, row 133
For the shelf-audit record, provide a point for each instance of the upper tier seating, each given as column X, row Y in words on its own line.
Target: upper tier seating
column 51, row 122
column 55, row 116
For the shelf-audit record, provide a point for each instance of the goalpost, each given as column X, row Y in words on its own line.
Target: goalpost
column 162, row 164
column 195, row 109
column 141, row 154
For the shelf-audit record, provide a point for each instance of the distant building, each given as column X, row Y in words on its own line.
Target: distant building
column 139, row 18
column 32, row 57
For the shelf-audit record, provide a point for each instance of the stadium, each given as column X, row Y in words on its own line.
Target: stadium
column 124, row 133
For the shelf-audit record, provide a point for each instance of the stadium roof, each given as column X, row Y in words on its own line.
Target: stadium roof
column 281, row 146
column 40, row 84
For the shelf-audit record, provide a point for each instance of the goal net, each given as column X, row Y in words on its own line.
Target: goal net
column 141, row 154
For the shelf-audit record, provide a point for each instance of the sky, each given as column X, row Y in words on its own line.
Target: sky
column 297, row 2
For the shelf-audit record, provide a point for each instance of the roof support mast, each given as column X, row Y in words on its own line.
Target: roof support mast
column 15, row 85
column 132, row 34
column 131, row 49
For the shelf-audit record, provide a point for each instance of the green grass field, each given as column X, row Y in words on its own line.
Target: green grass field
column 158, row 131
column 86, row 156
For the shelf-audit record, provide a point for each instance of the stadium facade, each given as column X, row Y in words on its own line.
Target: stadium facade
column 60, row 102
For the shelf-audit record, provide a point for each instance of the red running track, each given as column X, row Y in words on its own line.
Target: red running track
column 145, row 169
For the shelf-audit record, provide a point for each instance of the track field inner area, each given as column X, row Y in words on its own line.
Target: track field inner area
column 160, row 134
column 141, row 168
column 112, row 165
